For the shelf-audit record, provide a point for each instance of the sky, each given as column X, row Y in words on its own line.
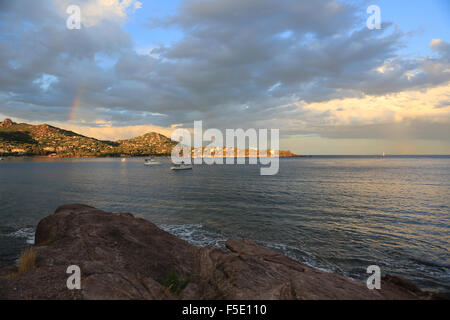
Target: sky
column 309, row 68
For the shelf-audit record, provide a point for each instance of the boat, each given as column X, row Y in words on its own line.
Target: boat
column 182, row 166
column 1, row 159
column 150, row 162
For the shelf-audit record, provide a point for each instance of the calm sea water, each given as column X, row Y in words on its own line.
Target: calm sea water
column 340, row 214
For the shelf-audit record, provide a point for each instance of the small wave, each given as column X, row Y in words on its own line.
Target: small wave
column 432, row 264
column 195, row 234
column 24, row 233
column 301, row 256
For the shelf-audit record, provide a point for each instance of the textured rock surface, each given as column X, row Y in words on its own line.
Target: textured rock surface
column 123, row 257
column 6, row 123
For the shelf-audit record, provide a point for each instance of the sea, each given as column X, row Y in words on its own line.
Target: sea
column 340, row 214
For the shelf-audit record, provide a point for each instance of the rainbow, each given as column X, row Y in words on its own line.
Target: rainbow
column 75, row 105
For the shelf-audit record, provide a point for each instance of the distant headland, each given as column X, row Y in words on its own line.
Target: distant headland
column 22, row 139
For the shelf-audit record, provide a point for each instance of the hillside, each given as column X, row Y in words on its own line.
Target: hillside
column 26, row 139
column 147, row 144
column 46, row 140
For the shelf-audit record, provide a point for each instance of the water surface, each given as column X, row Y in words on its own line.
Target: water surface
column 340, row 214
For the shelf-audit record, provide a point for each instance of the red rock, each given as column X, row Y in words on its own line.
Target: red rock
column 6, row 123
column 124, row 257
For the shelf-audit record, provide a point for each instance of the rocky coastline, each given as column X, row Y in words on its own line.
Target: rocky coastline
column 125, row 257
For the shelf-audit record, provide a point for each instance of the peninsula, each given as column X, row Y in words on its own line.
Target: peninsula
column 22, row 139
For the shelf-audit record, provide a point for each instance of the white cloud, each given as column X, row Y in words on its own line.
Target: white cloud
column 45, row 81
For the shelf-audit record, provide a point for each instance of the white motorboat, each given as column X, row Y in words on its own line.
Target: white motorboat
column 181, row 167
column 151, row 162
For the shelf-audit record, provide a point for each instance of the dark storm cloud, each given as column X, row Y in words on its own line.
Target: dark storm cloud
column 238, row 64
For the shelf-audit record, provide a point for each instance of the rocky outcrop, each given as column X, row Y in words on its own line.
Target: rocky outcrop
column 45, row 140
column 6, row 123
column 125, row 257
column 149, row 143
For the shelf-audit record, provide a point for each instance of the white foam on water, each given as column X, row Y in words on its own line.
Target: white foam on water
column 195, row 234
column 304, row 257
column 24, row 233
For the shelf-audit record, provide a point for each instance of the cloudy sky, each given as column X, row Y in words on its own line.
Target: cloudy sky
column 310, row 68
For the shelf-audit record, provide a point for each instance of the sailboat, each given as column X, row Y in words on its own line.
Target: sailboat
column 383, row 154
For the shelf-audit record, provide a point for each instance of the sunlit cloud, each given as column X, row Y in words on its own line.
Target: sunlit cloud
column 95, row 12
column 107, row 132
column 410, row 104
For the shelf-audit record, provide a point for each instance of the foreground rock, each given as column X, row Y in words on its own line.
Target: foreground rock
column 123, row 257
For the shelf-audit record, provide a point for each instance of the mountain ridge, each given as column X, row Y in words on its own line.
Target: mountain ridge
column 18, row 139
column 47, row 140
